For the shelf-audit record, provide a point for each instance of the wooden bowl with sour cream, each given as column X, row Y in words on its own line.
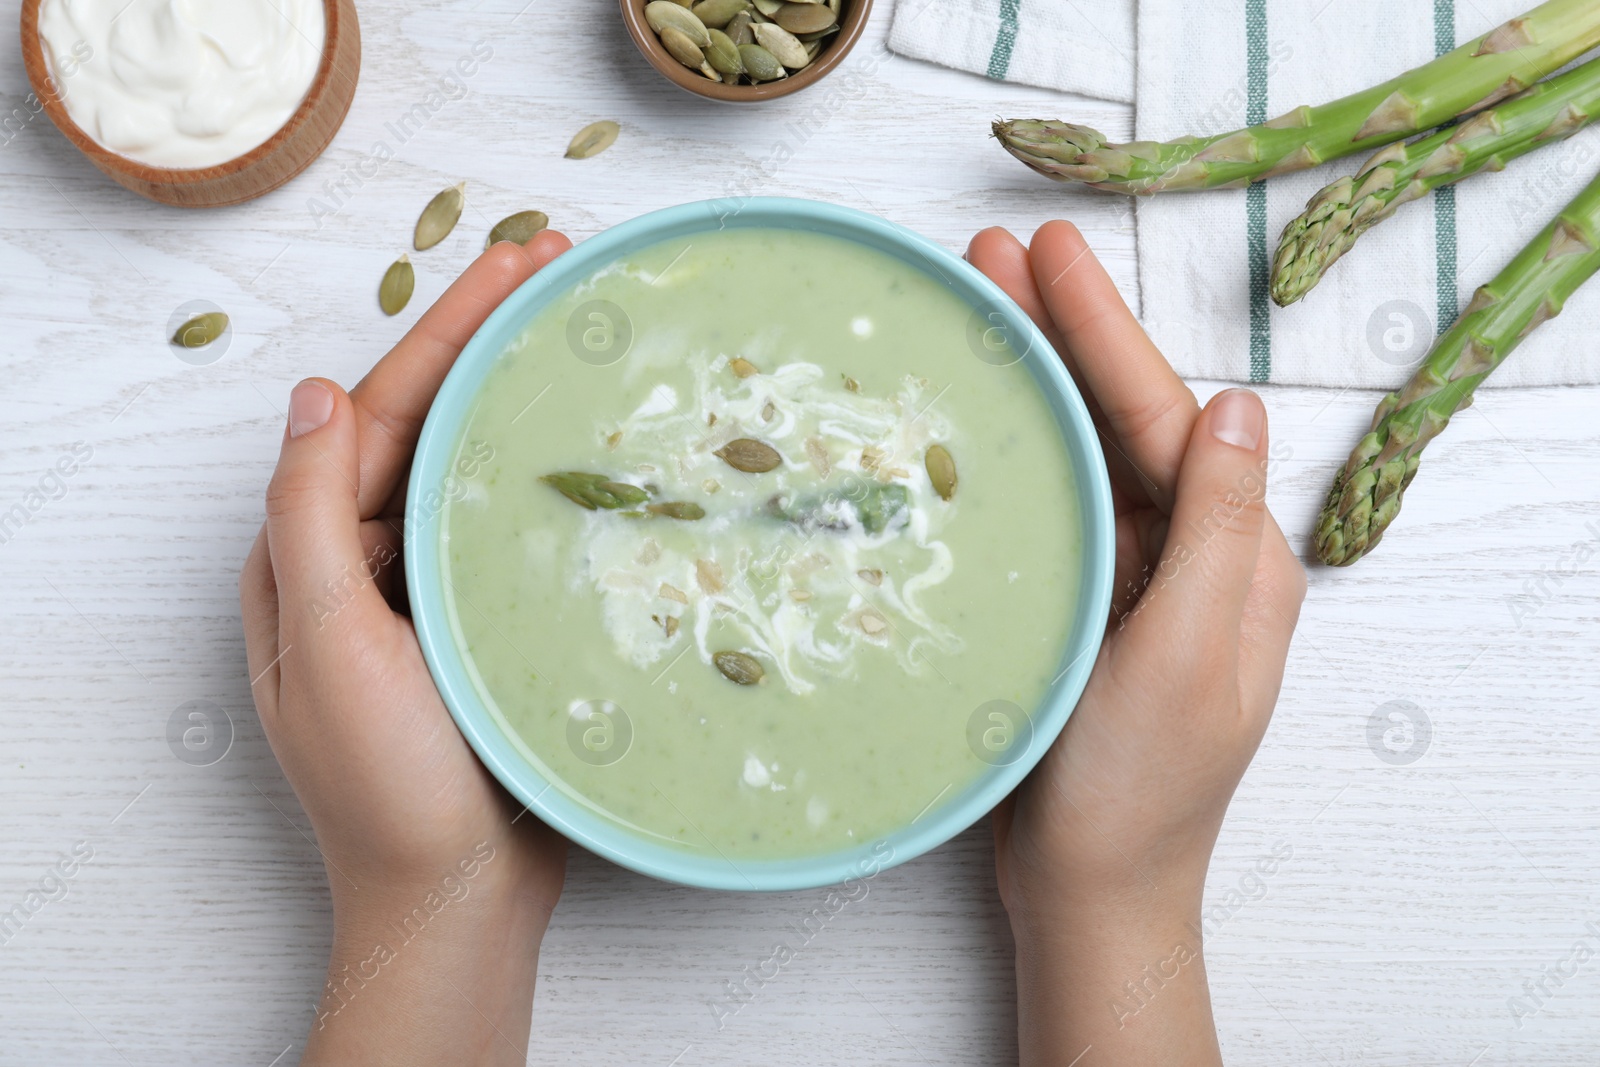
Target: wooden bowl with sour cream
column 257, row 171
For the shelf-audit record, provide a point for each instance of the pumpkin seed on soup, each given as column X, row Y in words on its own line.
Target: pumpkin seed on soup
column 738, row 667
column 749, row 455
column 941, row 471
column 708, row 576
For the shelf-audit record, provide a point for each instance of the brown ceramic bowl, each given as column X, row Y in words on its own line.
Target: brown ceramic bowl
column 853, row 21
column 260, row 170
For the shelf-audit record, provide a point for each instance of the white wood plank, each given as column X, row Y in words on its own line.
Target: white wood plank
column 1418, row 898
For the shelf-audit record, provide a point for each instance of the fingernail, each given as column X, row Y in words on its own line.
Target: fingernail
column 310, row 407
column 1238, row 418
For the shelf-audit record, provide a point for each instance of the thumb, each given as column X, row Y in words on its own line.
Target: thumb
column 313, row 520
column 1196, row 597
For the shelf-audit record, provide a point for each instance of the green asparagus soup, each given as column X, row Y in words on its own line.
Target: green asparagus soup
column 752, row 553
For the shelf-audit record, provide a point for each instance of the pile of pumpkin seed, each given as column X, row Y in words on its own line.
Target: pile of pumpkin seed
column 744, row 41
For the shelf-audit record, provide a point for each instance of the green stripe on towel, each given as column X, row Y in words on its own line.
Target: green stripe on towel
column 1000, row 57
column 1445, row 237
column 1255, row 22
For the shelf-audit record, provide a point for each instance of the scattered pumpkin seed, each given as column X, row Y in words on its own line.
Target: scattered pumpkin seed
column 742, row 368
column 941, row 471
column 201, row 330
column 519, row 228
column 760, row 64
column 804, row 18
column 871, row 577
column 851, row 384
column 738, row 667
column 769, row 411
column 670, row 625
column 398, row 282
column 680, row 47
column 749, row 455
column 440, row 217
column 662, row 13
column 768, row 7
column 782, row 44
column 718, row 13
column 598, row 136
column 873, row 624
column 678, row 509
column 672, row 592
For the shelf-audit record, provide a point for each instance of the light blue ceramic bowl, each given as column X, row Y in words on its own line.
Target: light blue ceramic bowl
column 509, row 759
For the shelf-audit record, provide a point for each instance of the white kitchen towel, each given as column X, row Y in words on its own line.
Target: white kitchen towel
column 1208, row 66
column 1203, row 257
column 1077, row 46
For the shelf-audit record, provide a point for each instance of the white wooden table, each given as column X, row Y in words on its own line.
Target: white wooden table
column 1419, row 897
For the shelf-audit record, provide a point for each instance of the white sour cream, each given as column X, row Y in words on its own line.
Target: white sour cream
column 182, row 83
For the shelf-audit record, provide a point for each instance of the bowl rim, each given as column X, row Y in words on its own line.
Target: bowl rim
column 851, row 25
column 507, row 757
column 42, row 83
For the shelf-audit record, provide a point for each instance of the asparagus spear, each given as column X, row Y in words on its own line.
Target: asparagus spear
column 1477, row 75
column 878, row 508
column 1337, row 216
column 1533, row 289
column 593, row 491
